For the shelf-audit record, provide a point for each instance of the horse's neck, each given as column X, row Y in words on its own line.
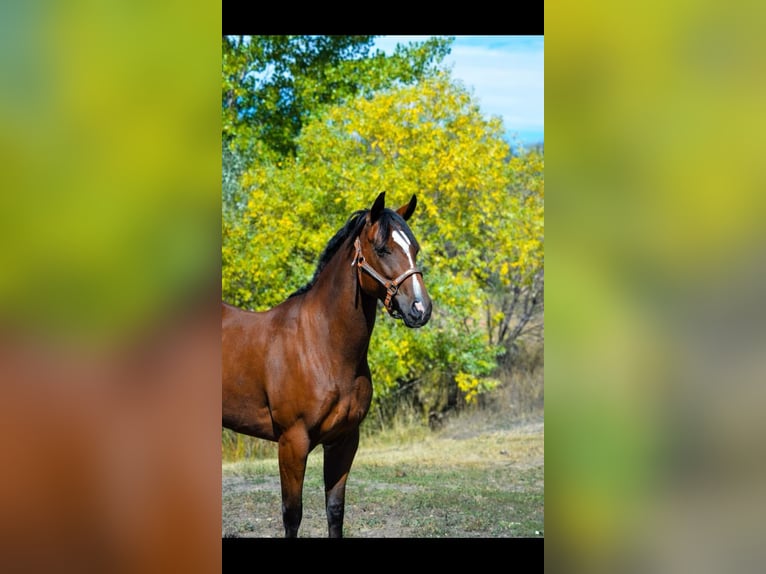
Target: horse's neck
column 337, row 291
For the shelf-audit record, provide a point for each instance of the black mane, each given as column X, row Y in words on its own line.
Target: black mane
column 352, row 228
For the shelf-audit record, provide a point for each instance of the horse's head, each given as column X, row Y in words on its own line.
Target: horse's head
column 386, row 251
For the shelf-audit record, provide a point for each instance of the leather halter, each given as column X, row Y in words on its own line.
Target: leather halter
column 392, row 286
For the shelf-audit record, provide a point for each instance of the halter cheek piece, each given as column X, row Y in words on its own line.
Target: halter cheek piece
column 392, row 286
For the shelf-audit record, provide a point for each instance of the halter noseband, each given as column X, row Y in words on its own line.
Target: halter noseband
column 392, row 286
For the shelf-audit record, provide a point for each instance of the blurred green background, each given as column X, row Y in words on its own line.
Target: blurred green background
column 655, row 327
column 110, row 204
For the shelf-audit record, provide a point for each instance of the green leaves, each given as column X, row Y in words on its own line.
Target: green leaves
column 273, row 85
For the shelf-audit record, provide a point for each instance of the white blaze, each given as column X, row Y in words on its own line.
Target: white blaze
column 401, row 240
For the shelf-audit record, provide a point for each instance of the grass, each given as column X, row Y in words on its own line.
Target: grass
column 417, row 490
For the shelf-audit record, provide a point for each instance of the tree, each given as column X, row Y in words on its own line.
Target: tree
column 479, row 223
column 272, row 85
column 514, row 289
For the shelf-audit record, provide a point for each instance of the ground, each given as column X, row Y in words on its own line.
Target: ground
column 466, row 480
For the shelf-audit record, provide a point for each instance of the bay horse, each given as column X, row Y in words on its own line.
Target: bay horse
column 297, row 374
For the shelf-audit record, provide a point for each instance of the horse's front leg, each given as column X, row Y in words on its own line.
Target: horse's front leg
column 338, row 457
column 293, row 453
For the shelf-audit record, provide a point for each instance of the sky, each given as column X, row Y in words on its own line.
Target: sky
column 505, row 74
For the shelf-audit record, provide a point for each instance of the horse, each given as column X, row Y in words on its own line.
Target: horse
column 297, row 374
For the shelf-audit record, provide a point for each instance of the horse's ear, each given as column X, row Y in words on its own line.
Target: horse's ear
column 377, row 207
column 406, row 211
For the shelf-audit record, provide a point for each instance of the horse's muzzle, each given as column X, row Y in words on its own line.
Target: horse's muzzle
column 418, row 314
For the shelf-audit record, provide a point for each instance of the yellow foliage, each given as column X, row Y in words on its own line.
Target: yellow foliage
column 479, row 220
column 472, row 386
column 468, row 386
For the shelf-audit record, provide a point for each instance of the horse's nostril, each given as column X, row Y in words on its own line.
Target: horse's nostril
column 418, row 307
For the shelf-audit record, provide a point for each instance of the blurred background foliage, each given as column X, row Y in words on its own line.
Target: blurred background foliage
column 105, row 202
column 656, row 128
column 314, row 128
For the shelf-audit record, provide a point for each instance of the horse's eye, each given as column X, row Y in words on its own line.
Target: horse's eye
column 382, row 251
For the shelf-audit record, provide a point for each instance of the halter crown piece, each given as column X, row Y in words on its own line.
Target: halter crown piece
column 392, row 286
